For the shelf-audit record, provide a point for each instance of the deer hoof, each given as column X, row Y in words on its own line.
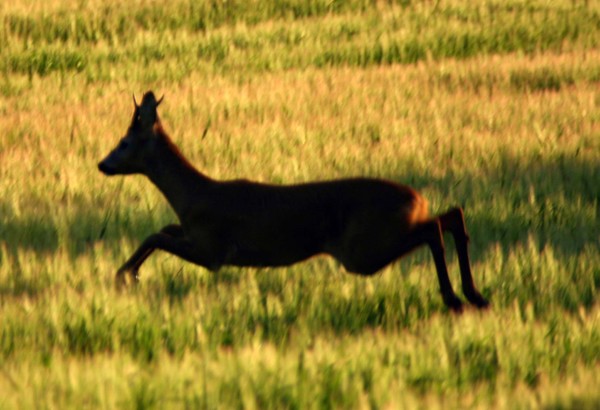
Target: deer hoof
column 454, row 303
column 121, row 278
column 477, row 300
column 135, row 277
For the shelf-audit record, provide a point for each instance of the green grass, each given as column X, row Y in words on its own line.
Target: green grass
column 488, row 105
column 241, row 36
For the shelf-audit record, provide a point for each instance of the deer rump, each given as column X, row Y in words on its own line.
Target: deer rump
column 361, row 222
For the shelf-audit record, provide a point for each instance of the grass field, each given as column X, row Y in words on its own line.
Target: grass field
column 492, row 105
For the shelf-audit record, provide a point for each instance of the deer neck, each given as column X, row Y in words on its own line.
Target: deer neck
column 176, row 177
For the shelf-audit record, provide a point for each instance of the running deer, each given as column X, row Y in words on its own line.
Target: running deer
column 363, row 223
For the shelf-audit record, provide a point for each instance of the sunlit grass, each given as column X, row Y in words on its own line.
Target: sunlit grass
column 514, row 138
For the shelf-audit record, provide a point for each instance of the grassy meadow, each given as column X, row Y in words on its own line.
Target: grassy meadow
column 492, row 105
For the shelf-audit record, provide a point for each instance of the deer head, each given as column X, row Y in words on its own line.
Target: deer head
column 134, row 151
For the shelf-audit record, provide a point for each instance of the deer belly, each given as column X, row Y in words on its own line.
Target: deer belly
column 275, row 250
column 256, row 258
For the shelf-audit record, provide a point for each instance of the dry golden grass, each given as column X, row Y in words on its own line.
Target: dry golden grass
column 514, row 137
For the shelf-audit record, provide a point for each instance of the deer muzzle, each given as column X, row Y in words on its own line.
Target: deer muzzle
column 105, row 169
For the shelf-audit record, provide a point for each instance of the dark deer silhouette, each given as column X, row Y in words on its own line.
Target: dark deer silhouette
column 363, row 223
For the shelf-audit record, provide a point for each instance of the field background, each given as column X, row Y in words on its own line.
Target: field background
column 493, row 105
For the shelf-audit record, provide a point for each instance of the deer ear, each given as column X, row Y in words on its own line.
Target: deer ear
column 148, row 114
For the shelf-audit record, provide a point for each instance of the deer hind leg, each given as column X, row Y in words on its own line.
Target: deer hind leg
column 372, row 256
column 453, row 221
column 431, row 233
column 152, row 243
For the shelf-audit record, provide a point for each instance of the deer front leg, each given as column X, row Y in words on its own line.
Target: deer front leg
column 144, row 251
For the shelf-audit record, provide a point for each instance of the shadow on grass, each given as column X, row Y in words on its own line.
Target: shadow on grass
column 518, row 199
column 523, row 197
column 86, row 224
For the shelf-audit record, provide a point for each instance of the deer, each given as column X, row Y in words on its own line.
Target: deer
column 364, row 223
